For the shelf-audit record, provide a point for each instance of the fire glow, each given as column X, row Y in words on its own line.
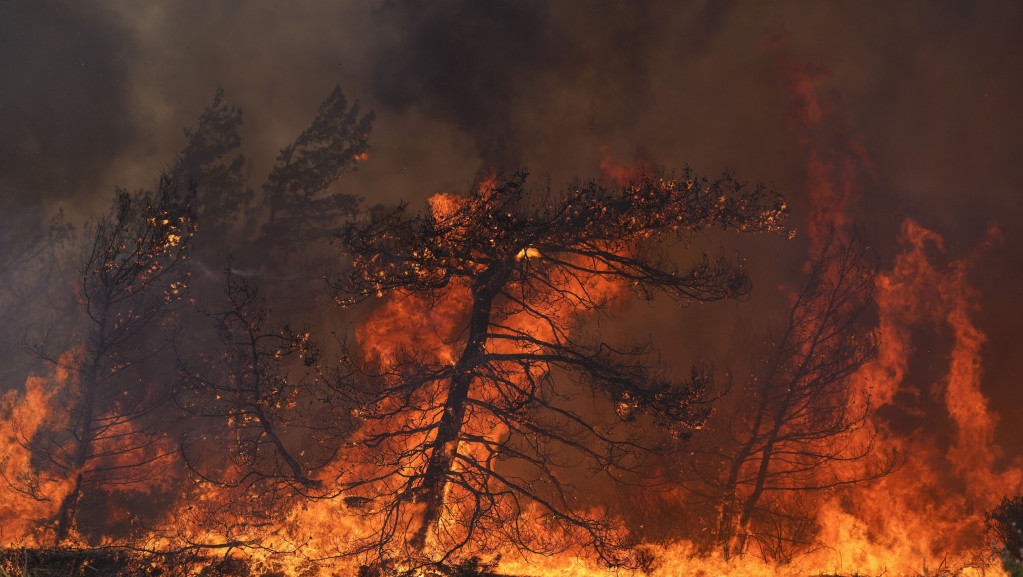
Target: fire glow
column 480, row 413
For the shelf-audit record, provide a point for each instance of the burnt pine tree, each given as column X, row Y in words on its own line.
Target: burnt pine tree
column 211, row 165
column 459, row 449
column 133, row 272
column 798, row 431
column 300, row 207
column 248, row 391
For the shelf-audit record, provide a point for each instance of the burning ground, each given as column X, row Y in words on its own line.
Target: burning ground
column 615, row 362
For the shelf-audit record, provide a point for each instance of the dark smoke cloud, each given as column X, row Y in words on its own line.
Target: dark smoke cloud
column 63, row 101
column 465, row 62
column 500, row 71
column 63, row 73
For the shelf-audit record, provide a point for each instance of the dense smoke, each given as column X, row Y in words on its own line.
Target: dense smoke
column 64, row 100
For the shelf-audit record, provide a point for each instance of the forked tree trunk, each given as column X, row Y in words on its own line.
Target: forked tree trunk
column 729, row 506
column 733, row 540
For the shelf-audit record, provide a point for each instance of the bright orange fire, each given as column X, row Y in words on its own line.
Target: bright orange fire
column 620, row 173
column 428, row 326
column 21, row 415
column 932, row 509
column 928, row 516
column 925, row 517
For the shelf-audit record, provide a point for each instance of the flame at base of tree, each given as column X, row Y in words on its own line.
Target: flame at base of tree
column 925, row 518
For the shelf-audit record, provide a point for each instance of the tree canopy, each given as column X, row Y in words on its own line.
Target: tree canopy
column 468, row 435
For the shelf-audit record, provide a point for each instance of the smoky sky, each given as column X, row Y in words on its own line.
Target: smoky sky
column 926, row 93
column 465, row 62
column 482, row 65
column 64, row 71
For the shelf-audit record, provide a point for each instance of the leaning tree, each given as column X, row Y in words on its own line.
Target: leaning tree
column 475, row 439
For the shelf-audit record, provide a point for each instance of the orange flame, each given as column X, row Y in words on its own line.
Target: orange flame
column 26, row 497
column 929, row 513
column 925, row 517
column 622, row 174
column 934, row 506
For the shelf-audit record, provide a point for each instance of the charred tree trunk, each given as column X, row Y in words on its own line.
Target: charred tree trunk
column 444, row 448
column 66, row 513
column 727, row 526
column 84, row 432
column 742, row 525
column 735, row 519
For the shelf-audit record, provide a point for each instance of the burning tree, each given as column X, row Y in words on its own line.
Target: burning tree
column 262, row 411
column 132, row 274
column 798, row 430
column 476, row 439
